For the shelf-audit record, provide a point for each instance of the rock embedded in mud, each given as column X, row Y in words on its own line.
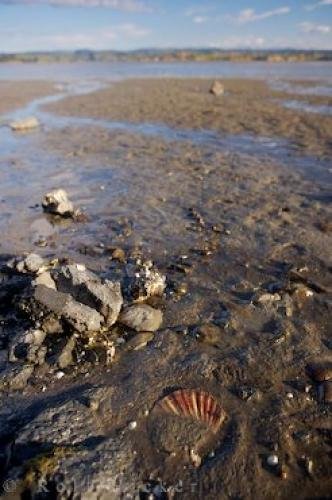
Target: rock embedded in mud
column 24, row 124
column 142, row 318
column 81, row 317
column 209, row 334
column 57, row 203
column 139, row 341
column 217, row 88
column 87, row 288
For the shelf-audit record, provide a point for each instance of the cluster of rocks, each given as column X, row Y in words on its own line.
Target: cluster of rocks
column 71, row 309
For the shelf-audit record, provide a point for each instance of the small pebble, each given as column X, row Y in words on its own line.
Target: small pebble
column 132, row 425
column 59, row 375
column 272, row 460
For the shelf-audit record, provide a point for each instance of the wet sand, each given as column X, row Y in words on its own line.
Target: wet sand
column 248, row 106
column 14, row 95
column 244, row 239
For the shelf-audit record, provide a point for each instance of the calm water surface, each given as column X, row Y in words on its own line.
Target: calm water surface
column 319, row 71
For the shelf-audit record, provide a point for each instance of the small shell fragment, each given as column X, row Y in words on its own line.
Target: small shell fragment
column 194, row 404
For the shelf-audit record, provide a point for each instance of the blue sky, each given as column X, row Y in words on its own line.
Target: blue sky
column 128, row 24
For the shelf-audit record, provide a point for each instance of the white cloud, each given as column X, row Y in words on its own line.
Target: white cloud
column 307, row 27
column 322, row 3
column 238, row 42
column 125, row 5
column 109, row 38
column 250, row 15
column 200, row 19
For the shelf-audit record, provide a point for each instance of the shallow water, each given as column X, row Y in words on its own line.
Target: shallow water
column 117, row 70
column 29, row 170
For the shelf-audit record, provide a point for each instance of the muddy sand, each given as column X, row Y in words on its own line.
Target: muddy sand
column 14, row 95
column 241, row 229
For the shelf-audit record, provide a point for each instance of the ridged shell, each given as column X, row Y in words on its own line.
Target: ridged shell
column 195, row 404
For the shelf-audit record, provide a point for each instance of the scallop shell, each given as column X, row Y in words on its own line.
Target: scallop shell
column 194, row 404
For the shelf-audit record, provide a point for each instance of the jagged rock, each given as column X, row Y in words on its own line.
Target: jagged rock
column 217, row 88
column 24, row 124
column 141, row 317
column 46, row 280
column 86, row 287
column 31, row 264
column 57, row 202
column 26, row 346
column 66, row 356
column 15, row 377
column 145, row 281
column 79, row 316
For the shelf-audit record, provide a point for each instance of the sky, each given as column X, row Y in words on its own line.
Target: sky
column 28, row 25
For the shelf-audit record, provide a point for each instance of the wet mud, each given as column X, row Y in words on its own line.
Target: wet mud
column 241, row 228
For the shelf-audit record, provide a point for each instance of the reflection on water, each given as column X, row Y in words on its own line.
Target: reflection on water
column 27, row 172
column 292, row 88
column 120, row 70
column 308, row 108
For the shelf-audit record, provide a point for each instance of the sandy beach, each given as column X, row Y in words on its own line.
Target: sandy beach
column 230, row 198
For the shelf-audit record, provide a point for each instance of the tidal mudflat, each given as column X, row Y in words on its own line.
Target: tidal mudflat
column 172, row 340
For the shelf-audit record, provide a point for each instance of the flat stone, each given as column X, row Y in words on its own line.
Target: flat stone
column 24, row 124
column 83, row 318
column 86, row 287
column 141, row 317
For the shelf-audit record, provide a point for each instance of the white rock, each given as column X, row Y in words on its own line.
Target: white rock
column 217, row 88
column 24, row 124
column 57, row 202
column 272, row 460
column 132, row 425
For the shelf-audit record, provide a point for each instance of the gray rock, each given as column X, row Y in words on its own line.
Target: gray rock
column 86, row 287
column 16, row 377
column 26, row 346
column 31, row 264
column 57, row 202
column 142, row 318
column 66, row 356
column 80, row 316
column 217, row 88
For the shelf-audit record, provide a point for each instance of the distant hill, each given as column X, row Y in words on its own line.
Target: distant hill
column 169, row 55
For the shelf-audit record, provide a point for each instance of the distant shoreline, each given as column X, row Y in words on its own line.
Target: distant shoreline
column 176, row 55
